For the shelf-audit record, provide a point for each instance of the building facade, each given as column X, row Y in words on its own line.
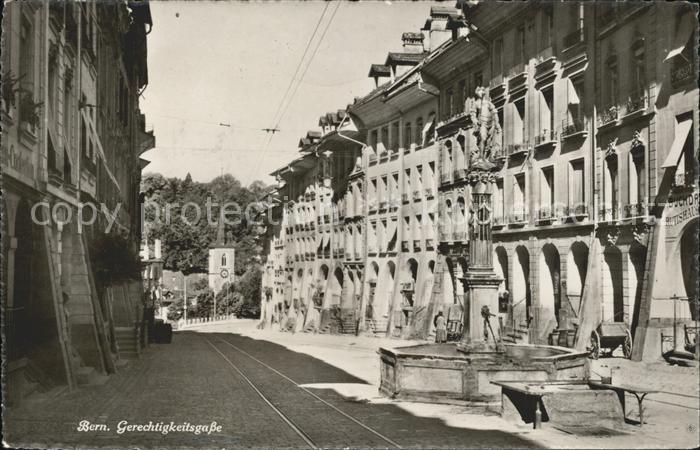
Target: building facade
column 593, row 129
column 57, row 108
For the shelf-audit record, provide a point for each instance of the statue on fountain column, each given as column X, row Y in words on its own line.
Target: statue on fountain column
column 487, row 130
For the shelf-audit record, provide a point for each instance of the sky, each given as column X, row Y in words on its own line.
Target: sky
column 230, row 62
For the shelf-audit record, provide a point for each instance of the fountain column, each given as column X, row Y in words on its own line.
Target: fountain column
column 481, row 333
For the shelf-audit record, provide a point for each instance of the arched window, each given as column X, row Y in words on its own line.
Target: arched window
column 223, row 259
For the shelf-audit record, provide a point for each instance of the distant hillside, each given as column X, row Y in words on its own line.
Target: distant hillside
column 185, row 245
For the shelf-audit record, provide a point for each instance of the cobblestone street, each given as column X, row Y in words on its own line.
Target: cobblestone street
column 203, row 378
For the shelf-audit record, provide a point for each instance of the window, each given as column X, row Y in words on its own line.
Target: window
column 546, row 192
column 519, row 206
column 374, row 139
column 67, row 116
column 478, row 79
column 497, row 61
column 498, row 201
column 636, row 171
column 547, row 116
column 419, row 132
column 26, row 55
column 577, row 198
column 547, row 27
column 430, row 176
column 531, row 38
column 639, row 72
column 461, row 96
column 449, row 103
column 407, row 135
column 520, row 44
column 575, row 108
column 407, row 183
column 83, row 138
column 223, row 259
column 686, row 169
column 394, row 136
column 611, row 188
column 448, row 156
column 519, row 121
column 419, row 176
column 385, row 136
column 395, row 186
column 612, row 92
column 383, row 187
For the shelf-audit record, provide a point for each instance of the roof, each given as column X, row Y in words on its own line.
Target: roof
column 405, row 59
column 444, row 11
column 379, row 70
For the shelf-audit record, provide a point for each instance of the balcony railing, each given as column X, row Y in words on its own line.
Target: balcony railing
column 573, row 38
column 546, row 137
column 416, row 245
column 405, row 197
column 545, row 214
column 682, row 71
column 372, row 159
column 518, row 217
column 571, row 127
column 460, row 236
column 429, row 193
column 635, row 210
column 636, row 102
column 608, row 115
column 611, row 213
column 579, row 210
column 516, row 149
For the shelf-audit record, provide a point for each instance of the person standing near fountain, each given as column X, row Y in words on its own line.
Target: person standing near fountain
column 440, row 329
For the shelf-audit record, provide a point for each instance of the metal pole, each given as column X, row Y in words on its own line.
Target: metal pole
column 184, row 290
column 675, row 342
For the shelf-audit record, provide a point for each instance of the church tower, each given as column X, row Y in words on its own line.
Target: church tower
column 221, row 259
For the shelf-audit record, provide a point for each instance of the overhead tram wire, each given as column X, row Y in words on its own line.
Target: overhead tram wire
column 301, row 79
column 296, row 71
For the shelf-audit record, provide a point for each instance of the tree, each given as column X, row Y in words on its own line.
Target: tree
column 186, row 237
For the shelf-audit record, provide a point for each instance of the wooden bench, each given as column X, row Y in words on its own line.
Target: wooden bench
column 639, row 393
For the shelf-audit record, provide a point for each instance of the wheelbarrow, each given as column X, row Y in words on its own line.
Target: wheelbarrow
column 610, row 336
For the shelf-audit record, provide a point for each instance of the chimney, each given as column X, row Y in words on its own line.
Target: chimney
column 436, row 25
column 413, row 42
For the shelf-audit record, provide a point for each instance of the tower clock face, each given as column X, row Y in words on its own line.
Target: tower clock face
column 224, row 273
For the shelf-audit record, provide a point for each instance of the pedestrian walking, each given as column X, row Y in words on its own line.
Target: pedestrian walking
column 440, row 328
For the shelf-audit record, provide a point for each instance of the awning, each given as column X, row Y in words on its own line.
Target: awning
column 391, row 231
column 685, row 29
column 572, row 95
column 674, row 155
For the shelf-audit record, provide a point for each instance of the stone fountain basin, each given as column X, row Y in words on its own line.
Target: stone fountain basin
column 439, row 373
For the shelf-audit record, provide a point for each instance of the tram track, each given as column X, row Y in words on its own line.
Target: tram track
column 317, row 422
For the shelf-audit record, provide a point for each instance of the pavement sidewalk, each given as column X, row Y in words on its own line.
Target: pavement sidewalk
column 672, row 416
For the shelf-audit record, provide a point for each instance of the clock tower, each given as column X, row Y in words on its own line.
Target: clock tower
column 221, row 259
